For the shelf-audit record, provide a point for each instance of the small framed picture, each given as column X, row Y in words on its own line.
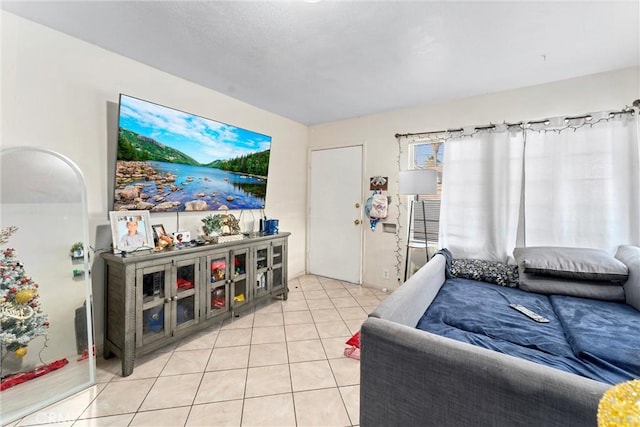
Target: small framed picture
column 182, row 237
column 158, row 231
column 131, row 231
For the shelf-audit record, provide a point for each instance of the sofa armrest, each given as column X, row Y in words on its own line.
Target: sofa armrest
column 412, row 377
column 407, row 304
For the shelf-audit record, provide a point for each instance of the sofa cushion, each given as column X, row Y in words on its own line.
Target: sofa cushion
column 576, row 288
column 630, row 255
column 602, row 332
column 571, row 263
column 486, row 271
column 479, row 313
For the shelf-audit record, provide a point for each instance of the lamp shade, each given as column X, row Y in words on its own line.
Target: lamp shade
column 418, row 181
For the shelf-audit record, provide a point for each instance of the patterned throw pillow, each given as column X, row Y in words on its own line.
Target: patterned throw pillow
column 495, row 272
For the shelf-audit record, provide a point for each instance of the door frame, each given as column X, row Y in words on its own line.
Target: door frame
column 361, row 214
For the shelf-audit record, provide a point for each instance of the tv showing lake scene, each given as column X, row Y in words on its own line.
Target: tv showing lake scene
column 169, row 161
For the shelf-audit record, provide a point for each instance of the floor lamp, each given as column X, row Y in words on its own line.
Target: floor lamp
column 416, row 182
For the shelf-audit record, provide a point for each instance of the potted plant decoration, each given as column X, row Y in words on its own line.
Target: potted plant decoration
column 212, row 225
column 220, row 224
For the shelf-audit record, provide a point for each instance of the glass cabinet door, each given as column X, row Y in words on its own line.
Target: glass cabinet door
column 277, row 265
column 154, row 323
column 218, row 290
column 185, row 291
column 240, row 279
column 261, row 259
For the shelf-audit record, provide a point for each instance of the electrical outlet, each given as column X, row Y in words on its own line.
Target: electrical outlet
column 385, row 273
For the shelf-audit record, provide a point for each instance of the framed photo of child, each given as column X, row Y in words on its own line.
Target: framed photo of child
column 131, row 231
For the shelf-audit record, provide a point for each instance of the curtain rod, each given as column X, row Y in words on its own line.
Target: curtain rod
column 587, row 117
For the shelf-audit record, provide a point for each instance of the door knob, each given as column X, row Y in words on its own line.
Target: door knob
column 356, row 222
column 357, row 205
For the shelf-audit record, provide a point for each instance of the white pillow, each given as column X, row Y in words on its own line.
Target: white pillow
column 571, row 263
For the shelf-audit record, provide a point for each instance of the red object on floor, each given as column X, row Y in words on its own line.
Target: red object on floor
column 354, row 340
column 15, row 379
column 352, row 352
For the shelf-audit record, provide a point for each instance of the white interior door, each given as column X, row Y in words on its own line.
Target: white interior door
column 335, row 225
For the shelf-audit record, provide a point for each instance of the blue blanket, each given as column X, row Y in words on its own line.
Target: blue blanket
column 595, row 339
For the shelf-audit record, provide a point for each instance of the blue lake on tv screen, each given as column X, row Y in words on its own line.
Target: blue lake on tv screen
column 216, row 187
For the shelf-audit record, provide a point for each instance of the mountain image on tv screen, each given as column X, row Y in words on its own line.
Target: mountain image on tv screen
column 169, row 160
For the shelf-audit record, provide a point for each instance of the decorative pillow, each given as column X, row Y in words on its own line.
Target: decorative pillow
column 495, row 272
column 571, row 263
column 575, row 288
column 630, row 255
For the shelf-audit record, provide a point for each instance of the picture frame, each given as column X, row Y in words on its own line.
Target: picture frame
column 131, row 231
column 181, row 237
column 158, row 231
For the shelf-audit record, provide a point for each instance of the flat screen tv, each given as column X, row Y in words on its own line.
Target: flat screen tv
column 168, row 161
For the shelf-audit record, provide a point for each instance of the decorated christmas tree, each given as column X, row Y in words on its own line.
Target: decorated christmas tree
column 21, row 317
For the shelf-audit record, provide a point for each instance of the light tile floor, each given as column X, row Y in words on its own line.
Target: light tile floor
column 280, row 364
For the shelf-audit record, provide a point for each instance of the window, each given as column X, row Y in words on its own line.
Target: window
column 426, row 155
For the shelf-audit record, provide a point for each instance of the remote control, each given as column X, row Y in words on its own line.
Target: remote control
column 533, row 315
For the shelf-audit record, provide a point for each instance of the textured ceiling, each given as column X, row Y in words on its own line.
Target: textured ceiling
column 317, row 62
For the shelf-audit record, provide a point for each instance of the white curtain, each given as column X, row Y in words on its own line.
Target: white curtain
column 562, row 183
column 582, row 185
column 482, row 181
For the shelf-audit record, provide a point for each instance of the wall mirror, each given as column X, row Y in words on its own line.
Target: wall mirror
column 46, row 340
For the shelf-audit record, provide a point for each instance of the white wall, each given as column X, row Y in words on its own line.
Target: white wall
column 605, row 91
column 57, row 93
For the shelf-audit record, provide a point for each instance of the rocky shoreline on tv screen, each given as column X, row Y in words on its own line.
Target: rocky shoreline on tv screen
column 168, row 187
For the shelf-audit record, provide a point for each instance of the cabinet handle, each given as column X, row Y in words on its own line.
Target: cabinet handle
column 174, row 298
column 167, row 300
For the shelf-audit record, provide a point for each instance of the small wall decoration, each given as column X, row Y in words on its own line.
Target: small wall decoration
column 378, row 183
column 131, row 231
column 376, row 208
